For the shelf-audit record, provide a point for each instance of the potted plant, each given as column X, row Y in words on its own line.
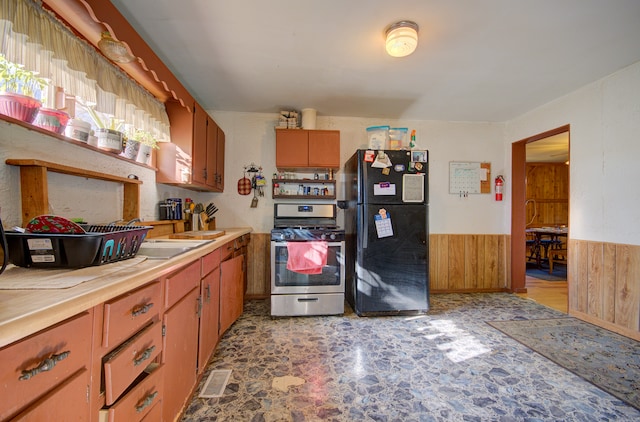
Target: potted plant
column 19, row 91
column 139, row 145
column 110, row 137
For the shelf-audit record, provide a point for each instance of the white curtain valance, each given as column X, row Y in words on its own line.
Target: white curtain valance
column 33, row 37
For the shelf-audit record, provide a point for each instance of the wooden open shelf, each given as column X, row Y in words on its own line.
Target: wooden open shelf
column 35, row 190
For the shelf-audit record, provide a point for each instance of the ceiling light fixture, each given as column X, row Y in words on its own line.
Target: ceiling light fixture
column 402, row 38
column 114, row 50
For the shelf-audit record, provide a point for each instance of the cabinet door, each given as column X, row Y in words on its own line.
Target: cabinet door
column 209, row 317
column 220, row 161
column 31, row 368
column 180, row 353
column 231, row 292
column 324, row 148
column 199, row 156
column 63, row 403
column 292, row 148
column 212, row 148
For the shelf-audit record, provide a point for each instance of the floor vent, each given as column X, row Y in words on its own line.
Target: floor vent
column 216, row 383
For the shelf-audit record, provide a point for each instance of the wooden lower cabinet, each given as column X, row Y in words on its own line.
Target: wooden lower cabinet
column 48, row 370
column 180, row 353
column 231, row 291
column 138, row 403
column 210, row 308
column 127, row 346
column 136, row 357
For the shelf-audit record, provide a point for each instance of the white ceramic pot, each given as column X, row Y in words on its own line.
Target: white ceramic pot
column 131, row 149
column 144, row 154
column 109, row 140
column 78, row 129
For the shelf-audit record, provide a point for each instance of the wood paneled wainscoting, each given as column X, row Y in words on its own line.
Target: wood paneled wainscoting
column 458, row 263
column 469, row 263
column 259, row 266
column 604, row 285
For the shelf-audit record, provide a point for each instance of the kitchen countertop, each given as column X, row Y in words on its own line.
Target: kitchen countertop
column 25, row 312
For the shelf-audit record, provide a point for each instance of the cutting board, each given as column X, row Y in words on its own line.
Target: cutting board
column 203, row 234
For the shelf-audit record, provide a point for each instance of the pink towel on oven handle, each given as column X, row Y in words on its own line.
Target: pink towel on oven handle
column 307, row 257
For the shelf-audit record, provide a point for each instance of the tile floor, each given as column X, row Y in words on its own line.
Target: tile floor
column 448, row 365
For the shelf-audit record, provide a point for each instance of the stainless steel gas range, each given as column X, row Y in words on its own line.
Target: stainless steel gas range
column 307, row 261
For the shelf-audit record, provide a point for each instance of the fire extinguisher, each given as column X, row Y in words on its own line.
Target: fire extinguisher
column 499, row 184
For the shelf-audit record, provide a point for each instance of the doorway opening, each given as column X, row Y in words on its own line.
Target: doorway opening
column 540, row 216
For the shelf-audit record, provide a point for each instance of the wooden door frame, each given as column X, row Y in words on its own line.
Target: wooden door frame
column 518, row 211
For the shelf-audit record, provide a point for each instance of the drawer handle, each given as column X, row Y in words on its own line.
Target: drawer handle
column 147, row 402
column 46, row 365
column 142, row 310
column 144, row 356
column 307, row 299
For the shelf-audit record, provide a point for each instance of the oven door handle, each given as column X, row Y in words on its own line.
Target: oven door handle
column 308, row 299
column 329, row 244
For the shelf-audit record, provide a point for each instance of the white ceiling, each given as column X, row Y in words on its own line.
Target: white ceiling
column 488, row 60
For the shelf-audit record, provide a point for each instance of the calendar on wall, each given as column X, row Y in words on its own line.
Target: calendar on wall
column 469, row 177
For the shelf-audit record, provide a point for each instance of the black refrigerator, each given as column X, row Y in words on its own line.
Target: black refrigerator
column 386, row 214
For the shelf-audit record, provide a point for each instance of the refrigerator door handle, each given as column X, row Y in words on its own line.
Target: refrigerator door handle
column 362, row 229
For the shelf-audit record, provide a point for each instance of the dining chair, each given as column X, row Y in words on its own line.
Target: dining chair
column 557, row 255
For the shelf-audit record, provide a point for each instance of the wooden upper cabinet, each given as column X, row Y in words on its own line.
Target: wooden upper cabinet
column 201, row 140
column 324, row 148
column 219, row 176
column 299, row 148
column 196, row 135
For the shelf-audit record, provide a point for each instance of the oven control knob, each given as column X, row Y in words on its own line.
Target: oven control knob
column 333, row 236
column 323, row 236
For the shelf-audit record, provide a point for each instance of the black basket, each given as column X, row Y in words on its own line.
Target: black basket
column 101, row 244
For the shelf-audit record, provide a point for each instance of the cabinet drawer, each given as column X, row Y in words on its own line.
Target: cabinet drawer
column 155, row 414
column 123, row 365
column 55, row 405
column 182, row 282
column 34, row 366
column 227, row 250
column 140, row 401
column 127, row 314
column 210, row 262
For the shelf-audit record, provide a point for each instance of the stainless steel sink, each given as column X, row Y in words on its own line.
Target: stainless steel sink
column 168, row 248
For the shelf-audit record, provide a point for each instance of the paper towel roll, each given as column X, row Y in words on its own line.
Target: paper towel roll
column 308, row 118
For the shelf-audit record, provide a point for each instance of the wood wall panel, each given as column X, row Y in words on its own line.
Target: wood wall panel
column 594, row 280
column 439, row 262
column 609, row 283
column 458, row 263
column 259, row 266
column 603, row 285
column 468, row 263
column 627, row 308
column 548, row 185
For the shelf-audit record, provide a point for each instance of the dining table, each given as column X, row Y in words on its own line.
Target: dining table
column 545, row 238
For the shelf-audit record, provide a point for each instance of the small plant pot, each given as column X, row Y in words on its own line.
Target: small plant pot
column 19, row 106
column 131, row 149
column 109, row 140
column 144, row 154
column 52, row 120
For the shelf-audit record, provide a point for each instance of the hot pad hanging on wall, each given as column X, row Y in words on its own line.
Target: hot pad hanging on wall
column 244, row 185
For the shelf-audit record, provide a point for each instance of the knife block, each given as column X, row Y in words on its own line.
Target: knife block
column 212, row 224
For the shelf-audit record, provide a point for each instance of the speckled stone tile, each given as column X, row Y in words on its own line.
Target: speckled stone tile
column 448, row 365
